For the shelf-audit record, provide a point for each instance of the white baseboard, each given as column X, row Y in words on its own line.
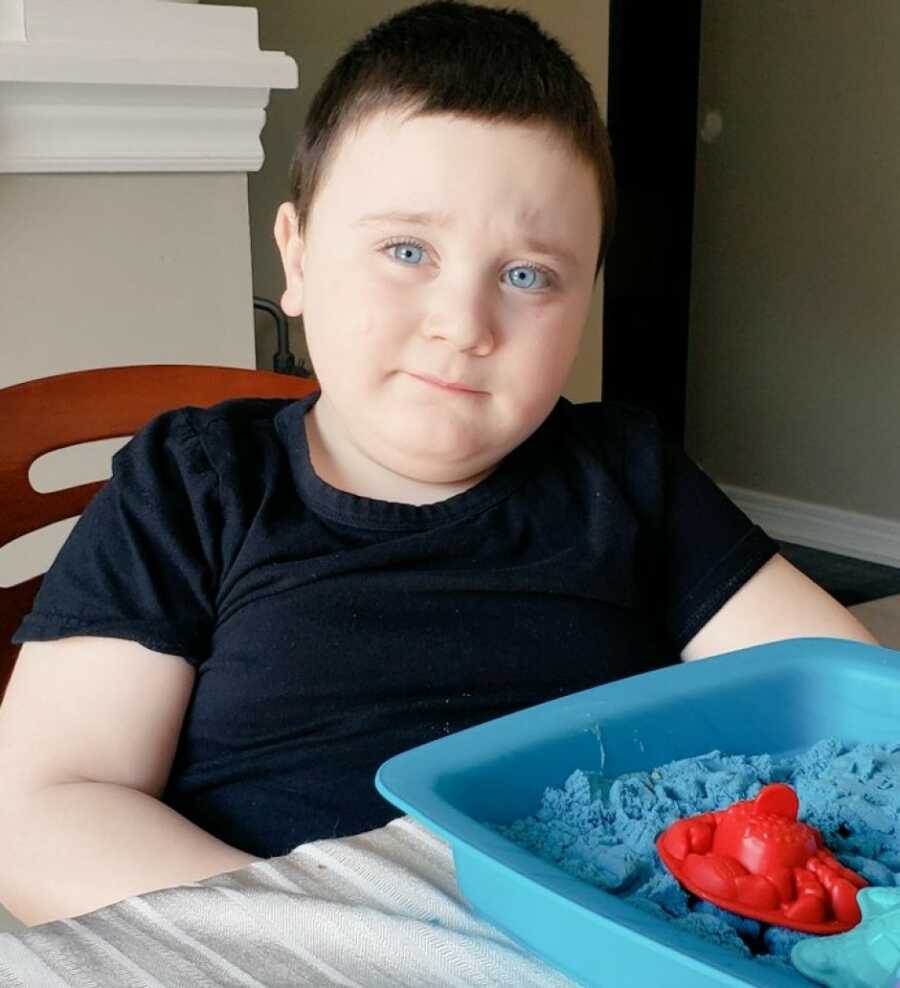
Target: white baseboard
column 831, row 529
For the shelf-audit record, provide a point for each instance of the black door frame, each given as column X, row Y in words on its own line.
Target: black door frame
column 654, row 72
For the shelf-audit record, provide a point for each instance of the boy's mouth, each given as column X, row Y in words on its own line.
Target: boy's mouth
column 446, row 385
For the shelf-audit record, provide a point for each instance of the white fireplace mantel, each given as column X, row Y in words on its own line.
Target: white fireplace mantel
column 133, row 86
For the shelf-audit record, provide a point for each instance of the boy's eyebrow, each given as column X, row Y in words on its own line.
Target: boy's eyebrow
column 443, row 220
column 399, row 216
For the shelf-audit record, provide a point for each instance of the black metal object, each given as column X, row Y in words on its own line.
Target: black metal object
column 654, row 70
column 284, row 361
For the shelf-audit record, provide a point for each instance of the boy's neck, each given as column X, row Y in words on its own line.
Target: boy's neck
column 342, row 466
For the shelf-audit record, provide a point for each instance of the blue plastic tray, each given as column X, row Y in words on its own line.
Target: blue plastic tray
column 775, row 698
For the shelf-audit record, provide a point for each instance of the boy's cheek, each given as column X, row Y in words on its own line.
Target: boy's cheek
column 389, row 290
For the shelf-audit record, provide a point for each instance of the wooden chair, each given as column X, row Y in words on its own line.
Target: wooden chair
column 52, row 413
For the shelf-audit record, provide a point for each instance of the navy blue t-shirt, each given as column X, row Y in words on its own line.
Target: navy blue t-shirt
column 331, row 631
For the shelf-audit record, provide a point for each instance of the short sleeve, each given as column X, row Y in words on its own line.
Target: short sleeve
column 142, row 561
column 713, row 548
column 704, row 548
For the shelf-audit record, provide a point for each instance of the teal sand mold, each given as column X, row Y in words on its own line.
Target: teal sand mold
column 868, row 956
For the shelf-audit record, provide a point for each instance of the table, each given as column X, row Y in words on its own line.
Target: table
column 377, row 910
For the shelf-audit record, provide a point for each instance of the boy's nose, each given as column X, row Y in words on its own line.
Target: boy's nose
column 465, row 321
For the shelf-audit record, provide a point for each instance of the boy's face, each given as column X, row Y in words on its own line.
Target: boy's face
column 487, row 294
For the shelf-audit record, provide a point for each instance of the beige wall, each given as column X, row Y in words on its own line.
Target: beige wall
column 97, row 270
column 103, row 270
column 315, row 34
column 795, row 333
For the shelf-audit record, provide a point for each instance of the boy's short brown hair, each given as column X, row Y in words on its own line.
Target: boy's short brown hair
column 448, row 56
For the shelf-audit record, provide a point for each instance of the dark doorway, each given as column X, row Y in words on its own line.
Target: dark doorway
column 654, row 69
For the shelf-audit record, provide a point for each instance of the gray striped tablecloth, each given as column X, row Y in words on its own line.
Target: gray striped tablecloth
column 378, row 909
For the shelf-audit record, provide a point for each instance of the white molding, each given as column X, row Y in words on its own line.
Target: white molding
column 133, row 85
column 848, row 533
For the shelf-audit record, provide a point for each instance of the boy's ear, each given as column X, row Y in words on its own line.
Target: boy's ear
column 291, row 249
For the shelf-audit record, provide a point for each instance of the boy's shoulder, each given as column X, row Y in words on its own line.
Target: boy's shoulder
column 232, row 417
column 224, row 436
column 605, row 424
column 621, row 439
column 614, row 411
column 245, row 432
column 232, row 414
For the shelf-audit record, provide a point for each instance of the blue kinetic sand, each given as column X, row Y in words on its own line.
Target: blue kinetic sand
column 605, row 829
column 772, row 699
column 867, row 956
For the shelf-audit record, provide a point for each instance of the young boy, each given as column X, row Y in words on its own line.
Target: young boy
column 270, row 598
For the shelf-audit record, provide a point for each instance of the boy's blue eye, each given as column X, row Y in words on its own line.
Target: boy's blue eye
column 522, row 275
column 405, row 247
column 530, row 276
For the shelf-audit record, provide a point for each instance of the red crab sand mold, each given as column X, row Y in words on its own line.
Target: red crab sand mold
column 756, row 859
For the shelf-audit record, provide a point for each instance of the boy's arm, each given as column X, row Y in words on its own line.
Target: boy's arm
column 88, row 732
column 777, row 602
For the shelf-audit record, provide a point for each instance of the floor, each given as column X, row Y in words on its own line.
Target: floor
column 882, row 618
column 9, row 924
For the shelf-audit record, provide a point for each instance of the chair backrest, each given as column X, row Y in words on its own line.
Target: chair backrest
column 37, row 417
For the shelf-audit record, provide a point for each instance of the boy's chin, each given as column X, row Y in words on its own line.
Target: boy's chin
column 437, row 464
column 446, row 454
